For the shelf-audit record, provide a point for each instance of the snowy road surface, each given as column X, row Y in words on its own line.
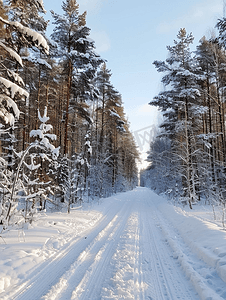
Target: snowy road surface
column 132, row 252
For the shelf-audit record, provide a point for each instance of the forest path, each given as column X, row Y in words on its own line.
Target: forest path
column 126, row 255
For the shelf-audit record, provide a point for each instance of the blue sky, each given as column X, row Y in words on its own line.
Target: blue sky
column 132, row 34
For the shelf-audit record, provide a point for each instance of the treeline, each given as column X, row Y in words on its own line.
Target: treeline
column 188, row 157
column 64, row 134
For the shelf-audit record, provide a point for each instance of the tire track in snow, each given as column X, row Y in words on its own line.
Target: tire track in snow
column 125, row 279
column 125, row 256
column 85, row 273
column 91, row 284
column 139, row 293
column 163, row 275
column 41, row 282
column 204, row 279
column 151, row 273
column 81, row 264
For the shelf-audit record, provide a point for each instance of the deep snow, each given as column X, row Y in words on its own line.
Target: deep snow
column 133, row 245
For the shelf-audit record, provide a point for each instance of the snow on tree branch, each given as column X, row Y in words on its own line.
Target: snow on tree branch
column 14, row 88
column 16, row 77
column 41, row 5
column 37, row 61
column 4, row 114
column 44, row 136
column 44, row 119
column 36, row 37
column 12, row 53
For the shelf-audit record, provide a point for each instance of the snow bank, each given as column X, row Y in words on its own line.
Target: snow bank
column 204, row 236
column 25, row 249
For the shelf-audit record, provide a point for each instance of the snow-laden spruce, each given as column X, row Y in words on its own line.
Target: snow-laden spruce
column 26, row 187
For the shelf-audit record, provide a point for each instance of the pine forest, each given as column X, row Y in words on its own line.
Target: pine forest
column 64, row 136
column 93, row 207
column 188, row 155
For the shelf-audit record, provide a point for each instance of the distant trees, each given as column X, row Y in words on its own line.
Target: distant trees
column 87, row 127
column 108, row 137
column 188, row 155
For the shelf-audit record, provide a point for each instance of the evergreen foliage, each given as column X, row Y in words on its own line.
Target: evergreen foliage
column 88, row 151
column 188, row 155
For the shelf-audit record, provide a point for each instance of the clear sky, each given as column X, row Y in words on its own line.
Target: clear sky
column 131, row 34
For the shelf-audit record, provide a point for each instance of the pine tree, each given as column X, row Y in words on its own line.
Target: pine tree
column 112, row 166
column 210, row 135
column 181, row 103
column 79, row 61
column 17, row 36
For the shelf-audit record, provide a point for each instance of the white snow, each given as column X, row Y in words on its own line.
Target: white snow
column 7, row 116
column 16, row 77
column 36, row 60
column 133, row 245
column 115, row 114
column 12, row 53
column 88, row 144
column 45, row 118
column 41, row 4
column 14, row 88
column 189, row 92
column 36, row 37
column 32, row 166
column 43, row 134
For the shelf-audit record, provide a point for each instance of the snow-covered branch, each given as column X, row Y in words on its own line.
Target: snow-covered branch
column 35, row 36
column 14, row 88
column 12, row 53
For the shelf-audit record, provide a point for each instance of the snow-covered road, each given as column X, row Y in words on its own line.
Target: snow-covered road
column 132, row 252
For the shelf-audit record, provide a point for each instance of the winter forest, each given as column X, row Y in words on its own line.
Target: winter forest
column 74, row 222
column 64, row 135
column 188, row 156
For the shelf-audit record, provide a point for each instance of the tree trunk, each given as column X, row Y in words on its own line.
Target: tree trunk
column 67, row 106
